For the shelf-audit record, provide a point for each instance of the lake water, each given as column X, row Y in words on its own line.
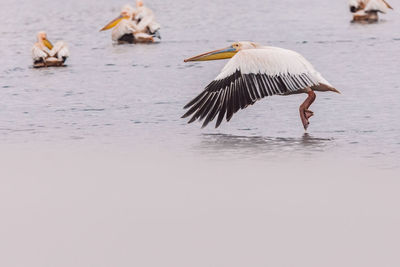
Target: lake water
column 125, row 101
column 134, row 94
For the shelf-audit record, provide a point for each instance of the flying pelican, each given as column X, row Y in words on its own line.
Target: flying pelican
column 146, row 20
column 255, row 72
column 44, row 54
column 367, row 10
column 126, row 29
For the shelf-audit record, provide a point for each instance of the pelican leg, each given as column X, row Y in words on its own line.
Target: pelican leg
column 305, row 113
column 308, row 113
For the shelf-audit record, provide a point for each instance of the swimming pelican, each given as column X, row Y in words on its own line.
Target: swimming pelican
column 367, row 10
column 125, row 28
column 146, row 20
column 44, row 54
column 255, row 72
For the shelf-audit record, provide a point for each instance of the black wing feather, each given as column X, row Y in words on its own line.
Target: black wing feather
column 222, row 111
column 227, row 96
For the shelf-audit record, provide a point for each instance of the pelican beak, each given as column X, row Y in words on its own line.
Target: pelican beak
column 113, row 23
column 215, row 55
column 48, row 44
column 387, row 4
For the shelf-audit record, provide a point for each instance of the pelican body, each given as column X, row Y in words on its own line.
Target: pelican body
column 366, row 11
column 146, row 21
column 126, row 29
column 44, row 54
column 255, row 72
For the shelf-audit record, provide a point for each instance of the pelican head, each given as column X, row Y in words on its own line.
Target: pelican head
column 139, row 3
column 42, row 39
column 127, row 12
column 356, row 5
column 224, row 53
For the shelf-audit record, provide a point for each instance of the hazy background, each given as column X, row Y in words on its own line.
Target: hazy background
column 98, row 169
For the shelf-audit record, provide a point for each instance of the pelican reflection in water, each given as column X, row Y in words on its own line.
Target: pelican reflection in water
column 253, row 145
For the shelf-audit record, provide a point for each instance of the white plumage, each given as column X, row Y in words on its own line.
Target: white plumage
column 271, row 61
column 39, row 53
column 60, row 51
column 255, row 72
column 134, row 26
column 376, row 5
column 125, row 26
column 366, row 11
column 129, row 27
column 146, row 19
column 44, row 54
column 370, row 5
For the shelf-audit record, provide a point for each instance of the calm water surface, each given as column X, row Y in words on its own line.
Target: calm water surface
column 129, row 95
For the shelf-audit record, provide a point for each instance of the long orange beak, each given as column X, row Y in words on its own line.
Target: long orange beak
column 387, row 4
column 224, row 53
column 48, row 44
column 113, row 23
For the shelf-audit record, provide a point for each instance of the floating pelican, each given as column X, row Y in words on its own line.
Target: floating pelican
column 126, row 29
column 255, row 72
column 44, row 54
column 367, row 10
column 146, row 20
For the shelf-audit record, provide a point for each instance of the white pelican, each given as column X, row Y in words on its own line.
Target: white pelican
column 126, row 29
column 255, row 72
column 44, row 54
column 367, row 10
column 146, row 20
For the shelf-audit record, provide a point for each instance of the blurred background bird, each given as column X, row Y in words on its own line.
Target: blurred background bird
column 44, row 54
column 367, row 10
column 134, row 25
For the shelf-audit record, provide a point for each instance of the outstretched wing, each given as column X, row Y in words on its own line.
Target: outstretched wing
column 249, row 76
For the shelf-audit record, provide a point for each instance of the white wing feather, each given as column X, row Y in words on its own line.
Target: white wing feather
column 251, row 75
column 60, row 50
column 378, row 5
column 124, row 27
column 271, row 61
column 38, row 53
column 144, row 23
column 147, row 19
column 63, row 53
